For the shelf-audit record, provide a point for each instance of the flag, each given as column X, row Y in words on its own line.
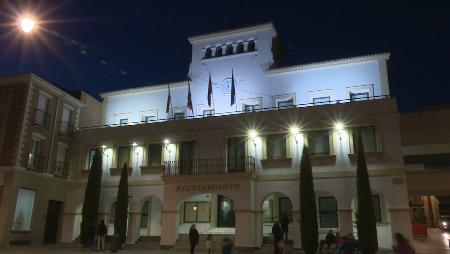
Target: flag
column 169, row 100
column 209, row 90
column 189, row 98
column 233, row 89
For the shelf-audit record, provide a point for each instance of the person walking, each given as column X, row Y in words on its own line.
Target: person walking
column 277, row 236
column 285, row 225
column 402, row 246
column 101, row 233
column 193, row 237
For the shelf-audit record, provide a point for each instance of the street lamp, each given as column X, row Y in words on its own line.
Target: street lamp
column 27, row 24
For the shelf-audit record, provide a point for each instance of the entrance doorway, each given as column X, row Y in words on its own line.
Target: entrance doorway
column 52, row 221
column 225, row 212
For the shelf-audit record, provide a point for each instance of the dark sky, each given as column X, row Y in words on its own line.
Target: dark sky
column 99, row 41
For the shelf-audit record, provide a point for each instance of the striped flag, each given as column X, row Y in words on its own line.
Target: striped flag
column 233, row 89
column 169, row 100
column 209, row 90
column 189, row 98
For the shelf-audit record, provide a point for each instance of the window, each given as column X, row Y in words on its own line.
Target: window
column 66, row 121
column 286, row 103
column 24, row 210
column 123, row 156
column 229, row 50
column 321, row 100
column 178, row 115
column 376, row 208
column 196, row 212
column 240, row 48
column 147, row 119
column 218, row 51
column 276, row 146
column 318, row 142
column 208, row 53
column 250, row 108
column 359, row 96
column 154, row 154
column 123, row 121
column 91, row 158
column 251, row 46
column 268, row 211
column 34, row 158
column 368, row 136
column 328, row 214
column 208, row 112
column 144, row 214
column 41, row 116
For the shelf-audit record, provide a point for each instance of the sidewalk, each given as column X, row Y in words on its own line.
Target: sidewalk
column 435, row 243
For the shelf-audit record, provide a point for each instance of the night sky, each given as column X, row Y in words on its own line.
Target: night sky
column 109, row 45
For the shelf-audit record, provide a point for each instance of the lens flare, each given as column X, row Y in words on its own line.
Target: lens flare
column 27, row 24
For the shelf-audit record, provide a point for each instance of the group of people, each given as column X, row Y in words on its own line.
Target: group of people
column 194, row 238
column 335, row 243
column 280, row 232
column 347, row 244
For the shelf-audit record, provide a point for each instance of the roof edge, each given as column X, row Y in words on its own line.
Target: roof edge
column 143, row 88
column 215, row 35
column 348, row 60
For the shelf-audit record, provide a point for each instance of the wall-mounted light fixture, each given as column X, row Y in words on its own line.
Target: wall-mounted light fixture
column 295, row 132
column 166, row 144
column 339, row 128
column 253, row 134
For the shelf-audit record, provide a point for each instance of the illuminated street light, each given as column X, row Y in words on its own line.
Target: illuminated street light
column 27, row 24
column 339, row 127
column 295, row 132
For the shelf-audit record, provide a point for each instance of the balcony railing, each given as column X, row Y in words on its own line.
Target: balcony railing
column 41, row 117
column 61, row 169
column 216, row 114
column 210, row 166
column 35, row 162
column 66, row 129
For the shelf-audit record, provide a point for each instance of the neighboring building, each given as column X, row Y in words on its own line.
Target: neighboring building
column 233, row 169
column 36, row 131
column 426, row 150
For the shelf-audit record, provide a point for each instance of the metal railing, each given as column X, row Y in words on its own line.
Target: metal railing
column 41, row 117
column 66, row 129
column 61, row 169
column 303, row 105
column 35, row 162
column 210, row 166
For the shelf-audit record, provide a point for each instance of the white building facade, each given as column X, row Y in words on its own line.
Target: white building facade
column 233, row 169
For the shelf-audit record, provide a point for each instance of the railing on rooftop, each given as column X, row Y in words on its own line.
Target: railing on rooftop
column 210, row 166
column 304, row 105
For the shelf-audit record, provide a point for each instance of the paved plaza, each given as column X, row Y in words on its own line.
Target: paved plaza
column 436, row 243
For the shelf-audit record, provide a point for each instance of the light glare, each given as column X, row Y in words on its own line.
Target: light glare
column 339, row 126
column 253, row 134
column 27, row 24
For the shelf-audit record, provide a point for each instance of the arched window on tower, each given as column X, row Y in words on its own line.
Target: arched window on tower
column 218, row 51
column 251, row 46
column 208, row 53
column 240, row 48
column 229, row 49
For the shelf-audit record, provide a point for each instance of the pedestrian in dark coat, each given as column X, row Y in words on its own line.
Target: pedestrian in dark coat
column 285, row 225
column 277, row 236
column 101, row 233
column 193, row 237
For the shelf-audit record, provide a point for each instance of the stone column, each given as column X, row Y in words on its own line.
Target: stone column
column 345, row 221
column 296, row 234
column 259, row 227
column 245, row 236
column 401, row 221
column 133, row 227
column 169, row 232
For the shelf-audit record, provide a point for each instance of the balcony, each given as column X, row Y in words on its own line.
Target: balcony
column 36, row 162
column 61, row 169
column 210, row 166
column 66, row 129
column 41, row 118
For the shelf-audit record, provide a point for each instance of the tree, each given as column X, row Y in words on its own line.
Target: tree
column 365, row 217
column 91, row 199
column 120, row 220
column 308, row 210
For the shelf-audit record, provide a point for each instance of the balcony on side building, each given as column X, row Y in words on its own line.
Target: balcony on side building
column 210, row 166
column 41, row 118
column 36, row 162
column 61, row 169
column 66, row 129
